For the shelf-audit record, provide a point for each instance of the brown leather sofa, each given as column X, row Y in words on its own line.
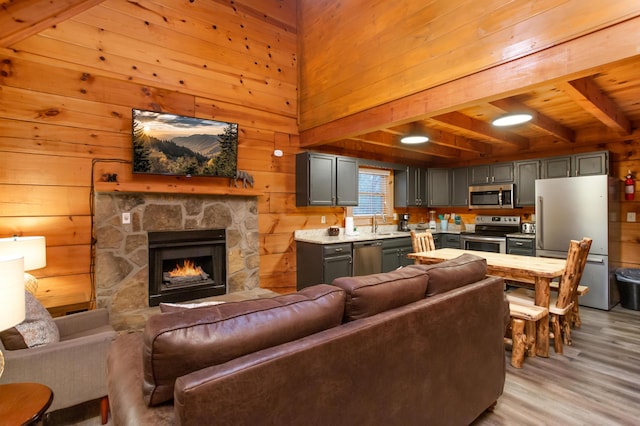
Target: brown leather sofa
column 367, row 350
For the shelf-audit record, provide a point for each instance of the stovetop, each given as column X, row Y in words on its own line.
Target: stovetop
column 496, row 226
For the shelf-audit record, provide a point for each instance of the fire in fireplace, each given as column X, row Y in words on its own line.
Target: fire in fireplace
column 186, row 265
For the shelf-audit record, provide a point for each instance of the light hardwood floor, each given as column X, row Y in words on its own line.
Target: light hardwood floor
column 595, row 382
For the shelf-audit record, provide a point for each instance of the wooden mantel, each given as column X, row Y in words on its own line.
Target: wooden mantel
column 179, row 186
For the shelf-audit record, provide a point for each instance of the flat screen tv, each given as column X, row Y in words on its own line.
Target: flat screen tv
column 170, row 144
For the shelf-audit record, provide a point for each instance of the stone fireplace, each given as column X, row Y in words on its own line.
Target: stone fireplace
column 122, row 250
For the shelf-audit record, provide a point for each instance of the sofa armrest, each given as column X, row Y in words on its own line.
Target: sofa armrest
column 82, row 321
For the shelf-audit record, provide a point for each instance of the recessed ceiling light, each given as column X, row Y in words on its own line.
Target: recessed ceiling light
column 414, row 139
column 512, row 120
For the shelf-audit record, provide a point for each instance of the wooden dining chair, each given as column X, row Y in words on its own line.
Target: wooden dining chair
column 522, row 336
column 561, row 305
column 422, row 241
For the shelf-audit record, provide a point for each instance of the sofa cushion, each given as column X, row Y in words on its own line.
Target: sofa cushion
column 371, row 294
column 181, row 342
column 454, row 273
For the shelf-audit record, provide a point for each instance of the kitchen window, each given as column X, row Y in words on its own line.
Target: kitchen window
column 375, row 192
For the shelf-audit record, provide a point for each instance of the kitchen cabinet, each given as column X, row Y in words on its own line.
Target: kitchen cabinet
column 450, row 241
column 526, row 173
column 491, row 173
column 439, row 191
column 460, row 186
column 410, row 187
column 521, row 246
column 593, row 163
column 326, row 180
column 394, row 253
column 322, row 263
column 587, row 164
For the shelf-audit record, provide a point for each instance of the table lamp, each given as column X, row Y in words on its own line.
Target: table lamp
column 33, row 249
column 12, row 304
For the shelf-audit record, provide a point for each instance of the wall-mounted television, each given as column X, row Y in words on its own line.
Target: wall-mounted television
column 170, row 144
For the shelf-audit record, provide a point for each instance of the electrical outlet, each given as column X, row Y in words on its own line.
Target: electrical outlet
column 323, row 219
column 395, row 216
column 126, row 218
column 631, row 216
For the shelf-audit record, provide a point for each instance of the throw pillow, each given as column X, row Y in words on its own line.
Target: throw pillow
column 175, row 307
column 37, row 329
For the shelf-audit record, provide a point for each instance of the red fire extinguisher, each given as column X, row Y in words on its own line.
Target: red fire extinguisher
column 629, row 187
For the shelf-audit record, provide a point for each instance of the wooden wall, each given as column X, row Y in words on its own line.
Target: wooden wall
column 67, row 89
column 66, row 94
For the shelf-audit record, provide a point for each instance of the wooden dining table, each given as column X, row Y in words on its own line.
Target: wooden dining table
column 537, row 271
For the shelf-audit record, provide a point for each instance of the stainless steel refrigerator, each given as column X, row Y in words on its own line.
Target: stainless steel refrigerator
column 573, row 208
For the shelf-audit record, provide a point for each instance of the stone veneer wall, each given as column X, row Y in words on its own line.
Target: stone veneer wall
column 122, row 256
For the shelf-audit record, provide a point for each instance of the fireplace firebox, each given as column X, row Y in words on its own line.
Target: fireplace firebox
column 186, row 265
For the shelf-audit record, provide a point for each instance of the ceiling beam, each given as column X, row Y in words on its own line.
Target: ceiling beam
column 580, row 57
column 22, row 19
column 588, row 95
column 481, row 129
column 539, row 120
column 392, row 141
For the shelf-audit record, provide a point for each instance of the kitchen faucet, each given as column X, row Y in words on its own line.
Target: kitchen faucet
column 375, row 222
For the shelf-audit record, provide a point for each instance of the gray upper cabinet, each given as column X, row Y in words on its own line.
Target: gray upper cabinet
column 346, row 181
column 439, row 187
column 556, row 167
column 326, row 180
column 410, row 187
column 526, row 173
column 491, row 173
column 592, row 163
column 460, row 186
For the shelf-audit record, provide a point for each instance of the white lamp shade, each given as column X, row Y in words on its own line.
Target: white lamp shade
column 33, row 249
column 11, row 291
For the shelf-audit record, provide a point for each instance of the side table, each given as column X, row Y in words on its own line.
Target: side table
column 23, row 403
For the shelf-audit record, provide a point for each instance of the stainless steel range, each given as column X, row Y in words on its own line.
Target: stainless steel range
column 491, row 233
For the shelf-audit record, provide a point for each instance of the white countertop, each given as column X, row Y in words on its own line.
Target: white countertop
column 321, row 236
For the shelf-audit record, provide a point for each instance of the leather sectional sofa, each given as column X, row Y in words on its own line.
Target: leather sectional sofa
column 419, row 345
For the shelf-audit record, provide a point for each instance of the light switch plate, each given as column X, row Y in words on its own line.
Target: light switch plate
column 631, row 216
column 126, row 218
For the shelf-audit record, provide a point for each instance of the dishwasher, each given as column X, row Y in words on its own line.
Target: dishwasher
column 367, row 258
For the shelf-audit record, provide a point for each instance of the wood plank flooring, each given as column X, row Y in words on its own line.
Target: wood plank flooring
column 595, row 382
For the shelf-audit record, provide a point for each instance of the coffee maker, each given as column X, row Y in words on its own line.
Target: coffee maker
column 403, row 223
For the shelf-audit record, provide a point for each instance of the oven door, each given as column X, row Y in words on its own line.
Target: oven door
column 484, row 243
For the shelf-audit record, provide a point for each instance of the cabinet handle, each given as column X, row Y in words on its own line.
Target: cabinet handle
column 338, row 250
column 519, row 244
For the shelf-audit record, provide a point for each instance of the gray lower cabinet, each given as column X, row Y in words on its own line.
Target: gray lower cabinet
column 526, row 173
column 394, row 253
column 450, row 241
column 521, row 246
column 322, row 263
column 326, row 180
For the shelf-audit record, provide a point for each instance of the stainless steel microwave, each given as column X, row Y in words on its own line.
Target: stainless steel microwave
column 494, row 196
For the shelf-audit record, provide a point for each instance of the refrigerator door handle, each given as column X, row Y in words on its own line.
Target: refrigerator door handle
column 540, row 224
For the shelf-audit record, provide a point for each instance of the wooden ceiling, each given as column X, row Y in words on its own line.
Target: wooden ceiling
column 571, row 113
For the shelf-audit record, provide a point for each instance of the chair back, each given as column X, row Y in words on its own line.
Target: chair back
column 422, row 241
column 576, row 261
